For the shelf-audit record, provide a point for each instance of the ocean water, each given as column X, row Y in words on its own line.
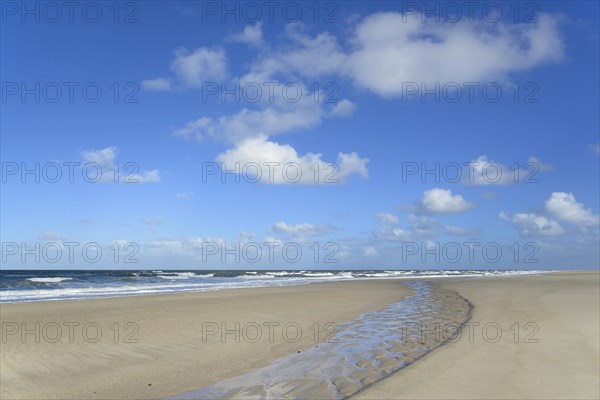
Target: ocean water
column 23, row 286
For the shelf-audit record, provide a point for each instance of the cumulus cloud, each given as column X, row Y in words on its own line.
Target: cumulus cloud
column 392, row 49
column 248, row 123
column 145, row 177
column 299, row 232
column 251, row 35
column 389, row 49
column 531, row 224
column 484, row 171
column 187, row 246
column 540, row 165
column 275, row 163
column 298, row 57
column 343, row 108
column 105, row 159
column 303, row 229
column 442, row 201
column 422, row 223
column 420, row 227
column 565, row 207
column 157, row 85
column 199, row 66
column 274, row 115
column 387, row 218
column 197, row 129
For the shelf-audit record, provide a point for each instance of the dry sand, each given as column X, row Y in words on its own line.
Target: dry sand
column 565, row 363
column 171, row 354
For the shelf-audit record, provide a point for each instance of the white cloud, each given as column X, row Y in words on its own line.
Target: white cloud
column 104, row 157
column 343, row 108
column 299, row 233
column 298, row 57
column 202, row 65
column 257, row 155
column 483, row 171
column 252, row 35
column 595, row 148
column 182, row 196
column 275, row 114
column 392, row 49
column 157, row 85
column 304, row 229
column 387, row 218
column 145, row 177
column 196, row 129
column 540, row 165
column 106, row 160
column 388, row 50
column 422, row 224
column 396, row 233
column 530, row 224
column 565, row 207
column 268, row 121
column 444, row 202
column 166, row 245
column 187, row 246
column 389, row 227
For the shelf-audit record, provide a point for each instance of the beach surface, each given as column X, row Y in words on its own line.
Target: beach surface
column 555, row 355
column 179, row 343
column 528, row 337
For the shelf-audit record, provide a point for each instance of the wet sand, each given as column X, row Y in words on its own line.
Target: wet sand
column 171, row 355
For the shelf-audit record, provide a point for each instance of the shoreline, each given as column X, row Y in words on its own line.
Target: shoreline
column 262, row 285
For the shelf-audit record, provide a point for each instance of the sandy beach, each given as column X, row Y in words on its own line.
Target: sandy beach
column 171, row 355
column 528, row 337
column 556, row 356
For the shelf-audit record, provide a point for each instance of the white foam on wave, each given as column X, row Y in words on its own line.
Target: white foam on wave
column 285, row 273
column 255, row 277
column 56, row 279
column 179, row 275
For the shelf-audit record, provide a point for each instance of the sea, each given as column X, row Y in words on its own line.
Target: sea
column 47, row 285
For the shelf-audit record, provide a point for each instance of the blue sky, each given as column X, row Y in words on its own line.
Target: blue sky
column 363, row 91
